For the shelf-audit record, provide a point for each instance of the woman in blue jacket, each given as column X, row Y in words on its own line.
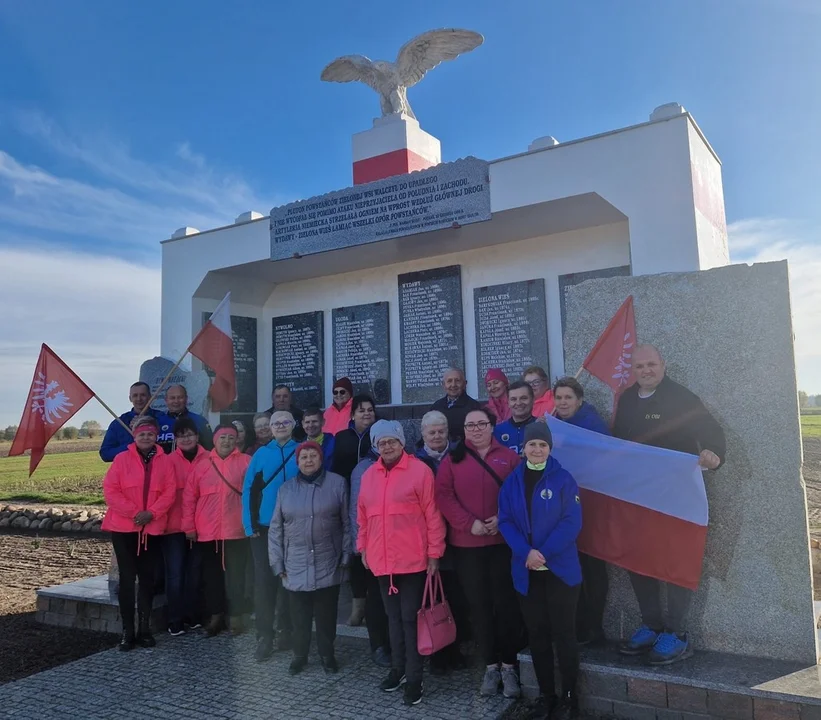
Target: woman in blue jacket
column 540, row 518
column 571, row 407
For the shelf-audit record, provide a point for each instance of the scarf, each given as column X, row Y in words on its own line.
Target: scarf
column 499, row 407
column 433, row 454
column 313, row 477
column 539, row 466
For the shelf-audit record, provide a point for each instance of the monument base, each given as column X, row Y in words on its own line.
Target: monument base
column 395, row 145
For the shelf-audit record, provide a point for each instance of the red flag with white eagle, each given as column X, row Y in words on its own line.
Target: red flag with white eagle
column 56, row 394
column 611, row 359
column 214, row 346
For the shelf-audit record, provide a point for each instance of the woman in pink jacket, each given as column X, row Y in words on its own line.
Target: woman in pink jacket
column 139, row 490
column 338, row 414
column 401, row 538
column 212, row 517
column 182, row 572
column 497, row 384
column 467, row 493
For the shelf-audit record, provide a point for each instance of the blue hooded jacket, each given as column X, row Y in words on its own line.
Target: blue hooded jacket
column 512, row 434
column 588, row 417
column 117, row 438
column 268, row 460
column 556, row 522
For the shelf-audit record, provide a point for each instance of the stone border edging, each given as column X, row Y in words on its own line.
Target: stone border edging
column 54, row 519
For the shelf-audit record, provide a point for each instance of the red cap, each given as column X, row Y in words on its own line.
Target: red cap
column 345, row 384
column 496, row 374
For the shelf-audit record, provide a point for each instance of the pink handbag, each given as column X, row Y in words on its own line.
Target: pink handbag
column 435, row 627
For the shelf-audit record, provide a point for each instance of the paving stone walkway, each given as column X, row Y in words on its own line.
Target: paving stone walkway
column 194, row 677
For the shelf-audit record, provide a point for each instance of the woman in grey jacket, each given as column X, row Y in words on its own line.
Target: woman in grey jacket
column 309, row 547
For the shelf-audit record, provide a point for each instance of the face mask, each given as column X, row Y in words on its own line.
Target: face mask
column 540, row 466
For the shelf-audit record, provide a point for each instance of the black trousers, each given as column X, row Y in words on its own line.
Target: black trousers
column 135, row 560
column 648, row 592
column 269, row 595
column 320, row 606
column 549, row 610
column 224, row 589
column 401, row 608
column 358, row 575
column 592, row 598
column 495, row 618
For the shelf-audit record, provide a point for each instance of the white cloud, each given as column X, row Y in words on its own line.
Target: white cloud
column 103, row 328
column 768, row 239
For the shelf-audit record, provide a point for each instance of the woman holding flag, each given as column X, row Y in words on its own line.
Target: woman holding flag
column 139, row 489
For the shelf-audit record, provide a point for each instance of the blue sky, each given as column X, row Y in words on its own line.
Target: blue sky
column 120, row 122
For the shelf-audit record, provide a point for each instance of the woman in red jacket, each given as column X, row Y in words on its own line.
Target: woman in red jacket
column 467, row 493
column 212, row 517
column 139, row 490
column 401, row 538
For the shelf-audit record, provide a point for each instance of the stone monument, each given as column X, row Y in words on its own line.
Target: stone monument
column 726, row 334
column 196, row 383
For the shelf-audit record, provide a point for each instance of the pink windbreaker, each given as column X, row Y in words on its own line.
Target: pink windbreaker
column 544, row 405
column 399, row 524
column 209, row 507
column 130, row 486
column 181, row 470
column 337, row 419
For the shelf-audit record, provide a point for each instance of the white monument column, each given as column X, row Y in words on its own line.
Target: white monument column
column 395, row 145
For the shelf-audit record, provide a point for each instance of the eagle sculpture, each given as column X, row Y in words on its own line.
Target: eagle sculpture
column 392, row 79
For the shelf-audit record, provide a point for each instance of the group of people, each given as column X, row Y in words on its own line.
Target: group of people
column 276, row 516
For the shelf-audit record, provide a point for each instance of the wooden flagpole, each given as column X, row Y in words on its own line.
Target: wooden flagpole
column 166, row 378
column 113, row 414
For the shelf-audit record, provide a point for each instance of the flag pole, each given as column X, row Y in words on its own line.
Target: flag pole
column 579, row 372
column 166, row 378
column 113, row 414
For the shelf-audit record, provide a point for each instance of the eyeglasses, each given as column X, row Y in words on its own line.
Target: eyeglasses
column 483, row 425
column 388, row 443
column 537, row 381
column 281, row 425
column 340, row 392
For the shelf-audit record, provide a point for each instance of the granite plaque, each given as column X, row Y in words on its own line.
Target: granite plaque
column 432, row 199
column 511, row 328
column 362, row 349
column 430, row 330
column 572, row 279
column 196, row 383
column 299, row 356
column 244, row 336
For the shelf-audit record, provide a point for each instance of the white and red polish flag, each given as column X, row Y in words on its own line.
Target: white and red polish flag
column 56, row 394
column 214, row 346
column 611, row 359
column 643, row 508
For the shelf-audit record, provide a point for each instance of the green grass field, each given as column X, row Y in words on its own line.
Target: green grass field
column 72, row 478
column 811, row 424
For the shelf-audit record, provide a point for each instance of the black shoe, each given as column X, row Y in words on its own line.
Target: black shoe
column 413, row 693
column 393, row 681
column 297, row 665
column 144, row 636
column 542, row 708
column 126, row 641
column 176, row 629
column 329, row 665
column 567, row 708
column 265, row 648
column 382, row 657
column 284, row 642
column 195, row 625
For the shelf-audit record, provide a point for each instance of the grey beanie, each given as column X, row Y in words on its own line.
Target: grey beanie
column 538, row 431
column 382, row 429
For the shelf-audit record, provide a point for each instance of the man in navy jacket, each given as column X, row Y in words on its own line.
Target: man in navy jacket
column 511, row 433
column 117, row 438
column 176, row 402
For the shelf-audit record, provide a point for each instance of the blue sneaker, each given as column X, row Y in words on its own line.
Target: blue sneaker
column 670, row 648
column 642, row 641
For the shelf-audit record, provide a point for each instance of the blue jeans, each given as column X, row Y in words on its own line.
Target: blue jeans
column 181, row 578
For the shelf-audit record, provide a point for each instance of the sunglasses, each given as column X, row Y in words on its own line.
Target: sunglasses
column 340, row 392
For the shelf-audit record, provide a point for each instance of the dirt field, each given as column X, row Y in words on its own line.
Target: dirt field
column 26, row 563
column 59, row 446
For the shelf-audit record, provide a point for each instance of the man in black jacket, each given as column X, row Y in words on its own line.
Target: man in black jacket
column 658, row 411
column 457, row 403
column 283, row 402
